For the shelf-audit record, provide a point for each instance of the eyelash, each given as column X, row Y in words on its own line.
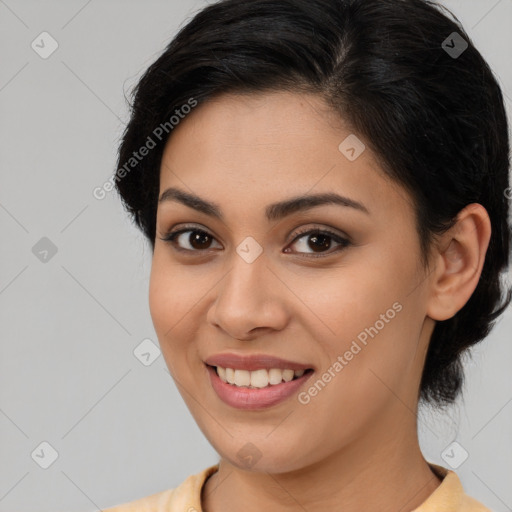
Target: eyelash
column 344, row 242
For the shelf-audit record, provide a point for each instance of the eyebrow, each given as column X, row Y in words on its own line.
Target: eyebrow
column 273, row 212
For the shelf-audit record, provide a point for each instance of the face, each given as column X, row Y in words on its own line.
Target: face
column 334, row 291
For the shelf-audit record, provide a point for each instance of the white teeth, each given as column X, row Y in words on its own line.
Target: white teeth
column 242, row 378
column 230, row 375
column 275, row 376
column 221, row 372
column 257, row 378
column 287, row 375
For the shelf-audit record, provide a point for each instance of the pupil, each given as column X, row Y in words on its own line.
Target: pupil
column 324, row 238
column 199, row 239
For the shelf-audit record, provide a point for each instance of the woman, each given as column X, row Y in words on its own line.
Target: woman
column 324, row 184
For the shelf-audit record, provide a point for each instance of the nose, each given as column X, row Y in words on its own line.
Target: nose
column 251, row 301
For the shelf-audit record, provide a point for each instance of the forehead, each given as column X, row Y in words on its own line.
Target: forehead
column 249, row 149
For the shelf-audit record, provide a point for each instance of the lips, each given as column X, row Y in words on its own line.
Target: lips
column 247, row 398
column 254, row 362
column 251, row 397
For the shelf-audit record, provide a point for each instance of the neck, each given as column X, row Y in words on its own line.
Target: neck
column 381, row 470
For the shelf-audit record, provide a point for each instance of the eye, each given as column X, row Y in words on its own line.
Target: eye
column 198, row 240
column 320, row 240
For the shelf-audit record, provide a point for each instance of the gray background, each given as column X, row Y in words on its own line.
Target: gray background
column 70, row 321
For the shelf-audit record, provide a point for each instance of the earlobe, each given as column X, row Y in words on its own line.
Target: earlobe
column 458, row 262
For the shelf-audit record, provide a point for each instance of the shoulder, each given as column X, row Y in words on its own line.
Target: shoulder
column 469, row 504
column 184, row 498
column 450, row 495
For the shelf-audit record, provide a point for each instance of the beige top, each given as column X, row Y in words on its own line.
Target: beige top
column 448, row 497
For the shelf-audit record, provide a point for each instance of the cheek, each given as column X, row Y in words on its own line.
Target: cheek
column 159, row 296
column 367, row 315
column 341, row 303
column 176, row 308
column 169, row 298
column 371, row 361
column 171, row 290
column 366, row 370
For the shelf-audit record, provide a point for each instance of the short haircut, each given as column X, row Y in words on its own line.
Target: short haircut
column 400, row 74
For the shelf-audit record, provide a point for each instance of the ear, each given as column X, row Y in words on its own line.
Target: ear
column 458, row 260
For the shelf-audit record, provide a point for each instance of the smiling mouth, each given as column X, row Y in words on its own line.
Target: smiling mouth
column 258, row 379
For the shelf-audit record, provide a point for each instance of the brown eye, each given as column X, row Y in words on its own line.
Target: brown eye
column 196, row 241
column 312, row 243
column 318, row 241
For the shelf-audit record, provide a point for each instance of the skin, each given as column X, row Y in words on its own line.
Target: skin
column 354, row 446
